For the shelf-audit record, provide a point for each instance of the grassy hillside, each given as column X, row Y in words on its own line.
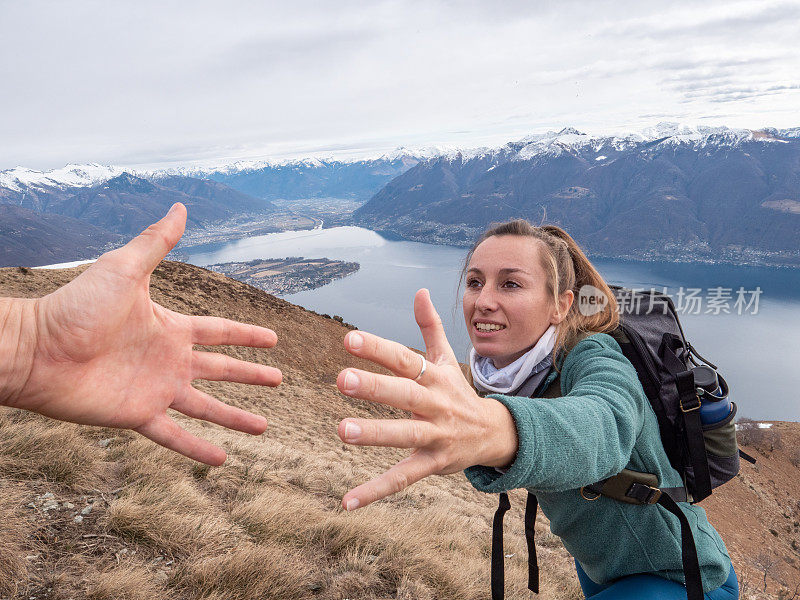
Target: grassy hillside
column 105, row 514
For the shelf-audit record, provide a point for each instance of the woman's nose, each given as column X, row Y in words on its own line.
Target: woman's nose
column 486, row 300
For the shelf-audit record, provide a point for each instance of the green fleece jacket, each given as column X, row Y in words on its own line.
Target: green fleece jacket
column 602, row 424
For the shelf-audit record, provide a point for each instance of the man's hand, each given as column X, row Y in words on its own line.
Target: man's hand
column 99, row 351
column 452, row 427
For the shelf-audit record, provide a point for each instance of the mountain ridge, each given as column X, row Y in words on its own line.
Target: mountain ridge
column 50, row 224
column 84, row 175
column 668, row 192
column 708, row 196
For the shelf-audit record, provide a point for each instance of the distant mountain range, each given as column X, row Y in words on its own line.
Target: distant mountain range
column 356, row 179
column 54, row 220
column 668, row 193
column 77, row 211
column 121, row 201
column 126, row 203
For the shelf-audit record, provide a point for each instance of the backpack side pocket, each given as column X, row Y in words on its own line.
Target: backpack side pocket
column 722, row 449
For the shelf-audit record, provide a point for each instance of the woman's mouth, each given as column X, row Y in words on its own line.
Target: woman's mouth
column 488, row 328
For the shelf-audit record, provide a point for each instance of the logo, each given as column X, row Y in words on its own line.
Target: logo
column 591, row 300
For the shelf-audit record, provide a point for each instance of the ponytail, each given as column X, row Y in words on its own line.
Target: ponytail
column 576, row 324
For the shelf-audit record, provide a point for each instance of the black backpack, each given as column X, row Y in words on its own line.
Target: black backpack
column 706, row 456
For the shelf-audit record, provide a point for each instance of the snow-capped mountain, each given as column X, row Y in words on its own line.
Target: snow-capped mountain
column 570, row 140
column 401, row 153
column 267, row 179
column 22, row 178
column 717, row 189
column 794, row 132
column 670, row 192
column 550, row 143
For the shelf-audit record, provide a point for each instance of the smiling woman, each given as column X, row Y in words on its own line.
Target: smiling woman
column 566, row 410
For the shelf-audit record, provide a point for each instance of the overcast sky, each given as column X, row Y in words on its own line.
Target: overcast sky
column 142, row 82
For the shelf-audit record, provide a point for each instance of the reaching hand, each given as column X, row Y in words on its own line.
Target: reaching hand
column 451, row 426
column 105, row 354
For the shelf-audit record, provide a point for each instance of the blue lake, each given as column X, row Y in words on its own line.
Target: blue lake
column 757, row 351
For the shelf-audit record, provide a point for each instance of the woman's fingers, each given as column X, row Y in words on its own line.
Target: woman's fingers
column 437, row 347
column 166, row 432
column 200, row 405
column 394, row 391
column 397, row 433
column 219, row 367
column 216, row 331
column 408, row 471
column 395, row 357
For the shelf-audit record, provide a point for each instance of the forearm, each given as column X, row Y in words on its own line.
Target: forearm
column 580, row 438
column 17, row 344
column 562, row 446
column 501, row 441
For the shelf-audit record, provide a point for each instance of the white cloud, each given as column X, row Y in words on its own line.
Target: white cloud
column 146, row 82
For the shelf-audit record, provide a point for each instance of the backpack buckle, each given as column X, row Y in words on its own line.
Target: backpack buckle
column 694, row 404
column 584, row 492
column 644, row 493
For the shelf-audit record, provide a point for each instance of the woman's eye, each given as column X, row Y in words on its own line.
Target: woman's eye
column 511, row 284
column 473, row 283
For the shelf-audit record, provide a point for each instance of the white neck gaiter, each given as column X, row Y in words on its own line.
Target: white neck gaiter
column 488, row 378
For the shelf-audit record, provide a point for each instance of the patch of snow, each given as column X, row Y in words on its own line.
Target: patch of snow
column 67, row 265
column 420, row 153
column 571, row 140
column 71, row 175
column 697, row 135
column 738, row 426
column 601, row 157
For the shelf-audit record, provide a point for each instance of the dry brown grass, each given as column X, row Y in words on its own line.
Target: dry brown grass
column 175, row 519
column 33, row 448
column 125, row 582
column 250, row 571
column 268, row 524
column 15, row 529
column 794, row 457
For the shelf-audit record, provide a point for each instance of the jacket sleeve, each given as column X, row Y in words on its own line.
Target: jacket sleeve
column 580, row 438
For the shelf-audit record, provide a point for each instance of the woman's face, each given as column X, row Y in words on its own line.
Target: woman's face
column 506, row 304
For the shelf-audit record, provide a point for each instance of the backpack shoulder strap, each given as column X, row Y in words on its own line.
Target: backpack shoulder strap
column 633, row 487
column 498, row 555
column 553, row 390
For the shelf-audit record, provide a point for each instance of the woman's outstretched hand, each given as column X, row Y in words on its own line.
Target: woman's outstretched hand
column 99, row 351
column 451, row 427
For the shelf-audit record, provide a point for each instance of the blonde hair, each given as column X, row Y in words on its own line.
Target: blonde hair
column 567, row 268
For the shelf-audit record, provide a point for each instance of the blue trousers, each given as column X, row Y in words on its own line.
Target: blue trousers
column 651, row 587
